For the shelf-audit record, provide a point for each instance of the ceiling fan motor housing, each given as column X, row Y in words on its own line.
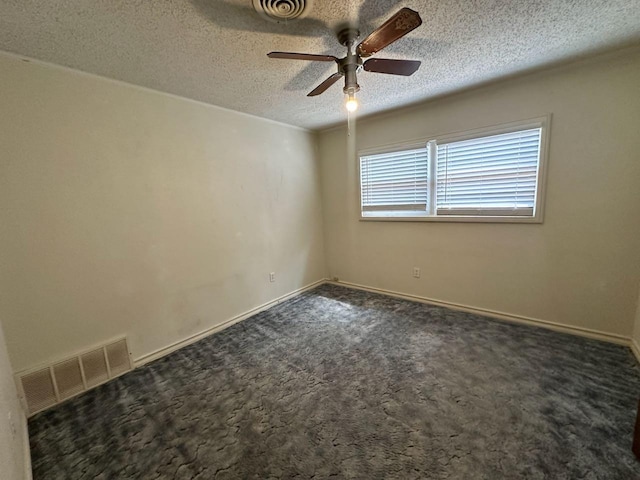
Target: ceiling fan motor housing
column 282, row 11
column 349, row 67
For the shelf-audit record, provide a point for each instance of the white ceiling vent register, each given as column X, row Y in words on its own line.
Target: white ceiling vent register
column 282, row 10
column 49, row 385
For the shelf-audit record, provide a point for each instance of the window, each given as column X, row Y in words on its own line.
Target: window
column 484, row 175
column 395, row 181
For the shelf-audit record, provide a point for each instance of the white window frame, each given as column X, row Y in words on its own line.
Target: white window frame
column 543, row 122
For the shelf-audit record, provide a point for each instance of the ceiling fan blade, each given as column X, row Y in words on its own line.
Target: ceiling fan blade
column 394, row 67
column 302, row 56
column 396, row 27
column 324, row 85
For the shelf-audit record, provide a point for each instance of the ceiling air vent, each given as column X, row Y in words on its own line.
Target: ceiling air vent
column 281, row 11
column 52, row 384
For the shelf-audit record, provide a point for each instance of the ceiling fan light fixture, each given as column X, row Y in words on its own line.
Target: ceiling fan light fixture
column 351, row 104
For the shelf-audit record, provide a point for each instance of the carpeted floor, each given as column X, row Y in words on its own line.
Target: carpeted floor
column 339, row 383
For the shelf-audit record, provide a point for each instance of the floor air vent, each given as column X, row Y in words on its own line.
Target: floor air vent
column 47, row 386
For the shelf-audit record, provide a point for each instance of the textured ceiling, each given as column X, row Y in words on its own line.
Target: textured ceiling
column 215, row 50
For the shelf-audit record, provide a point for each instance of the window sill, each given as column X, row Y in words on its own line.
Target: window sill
column 450, row 219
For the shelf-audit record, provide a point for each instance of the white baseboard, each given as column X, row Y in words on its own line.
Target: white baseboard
column 559, row 327
column 635, row 348
column 28, row 473
column 149, row 357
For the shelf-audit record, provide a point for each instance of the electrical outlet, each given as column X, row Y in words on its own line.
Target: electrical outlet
column 272, row 277
column 416, row 272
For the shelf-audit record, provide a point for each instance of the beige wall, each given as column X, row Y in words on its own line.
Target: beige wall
column 126, row 211
column 581, row 267
column 13, row 444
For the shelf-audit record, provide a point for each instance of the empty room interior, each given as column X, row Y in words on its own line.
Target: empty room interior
column 263, row 239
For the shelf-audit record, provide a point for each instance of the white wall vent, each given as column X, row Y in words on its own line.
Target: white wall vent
column 68, row 378
column 38, row 390
column 49, row 385
column 94, row 364
column 282, row 11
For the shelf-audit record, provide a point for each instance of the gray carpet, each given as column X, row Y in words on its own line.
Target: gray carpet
column 339, row 383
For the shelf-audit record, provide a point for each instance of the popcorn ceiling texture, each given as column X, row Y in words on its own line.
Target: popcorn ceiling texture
column 215, row 50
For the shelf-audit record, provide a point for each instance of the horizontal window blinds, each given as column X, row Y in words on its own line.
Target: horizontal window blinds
column 395, row 180
column 494, row 175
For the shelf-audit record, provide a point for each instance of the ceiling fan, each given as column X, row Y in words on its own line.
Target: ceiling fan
column 403, row 22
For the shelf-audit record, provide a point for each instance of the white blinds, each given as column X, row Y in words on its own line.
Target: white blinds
column 494, row 175
column 394, row 181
